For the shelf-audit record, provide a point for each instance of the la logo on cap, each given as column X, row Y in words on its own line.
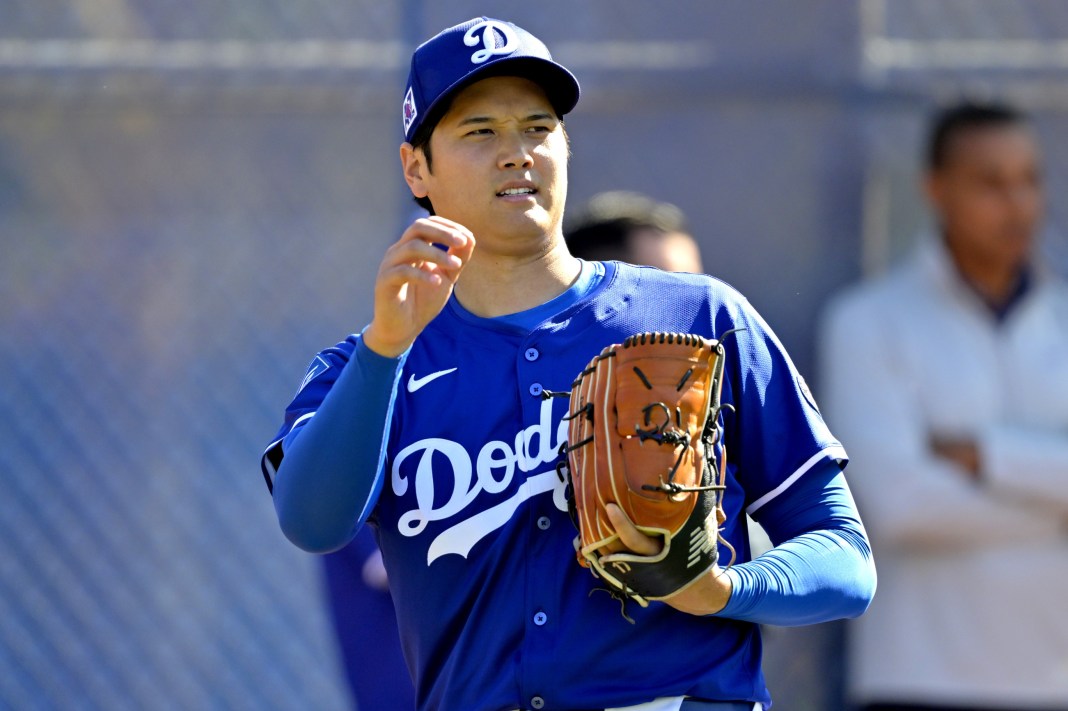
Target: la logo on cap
column 490, row 29
column 458, row 56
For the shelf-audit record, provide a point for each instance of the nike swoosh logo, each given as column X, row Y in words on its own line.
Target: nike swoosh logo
column 415, row 383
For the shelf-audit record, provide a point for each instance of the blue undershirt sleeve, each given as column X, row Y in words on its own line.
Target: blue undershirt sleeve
column 821, row 567
column 331, row 475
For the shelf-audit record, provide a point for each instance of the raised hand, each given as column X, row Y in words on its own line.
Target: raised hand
column 415, row 280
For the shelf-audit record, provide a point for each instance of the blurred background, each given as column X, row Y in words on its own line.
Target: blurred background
column 195, row 195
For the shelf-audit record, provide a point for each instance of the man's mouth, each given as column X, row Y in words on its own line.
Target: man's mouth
column 517, row 191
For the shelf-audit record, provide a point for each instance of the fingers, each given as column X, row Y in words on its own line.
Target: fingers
column 466, row 239
column 630, row 536
column 435, row 249
column 417, row 260
column 415, row 280
column 453, row 236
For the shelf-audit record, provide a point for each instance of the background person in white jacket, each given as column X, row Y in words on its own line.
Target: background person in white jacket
column 948, row 379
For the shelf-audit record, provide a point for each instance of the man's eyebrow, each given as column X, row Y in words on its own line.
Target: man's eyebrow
column 475, row 120
column 479, row 120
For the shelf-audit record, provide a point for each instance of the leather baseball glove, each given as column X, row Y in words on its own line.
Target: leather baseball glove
column 644, row 434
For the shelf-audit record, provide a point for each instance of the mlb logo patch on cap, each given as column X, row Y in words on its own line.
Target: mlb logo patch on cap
column 479, row 48
column 410, row 111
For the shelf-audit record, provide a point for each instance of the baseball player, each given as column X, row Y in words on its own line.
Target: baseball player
column 430, row 425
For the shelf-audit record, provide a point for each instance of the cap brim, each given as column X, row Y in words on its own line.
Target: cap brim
column 560, row 86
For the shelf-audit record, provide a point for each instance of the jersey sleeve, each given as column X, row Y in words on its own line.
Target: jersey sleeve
column 821, row 567
column 778, row 433
column 331, row 450
column 788, row 467
column 319, row 377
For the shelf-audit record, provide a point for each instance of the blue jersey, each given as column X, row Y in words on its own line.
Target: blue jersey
column 493, row 609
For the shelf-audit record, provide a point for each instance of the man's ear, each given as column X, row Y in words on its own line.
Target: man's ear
column 934, row 190
column 413, row 162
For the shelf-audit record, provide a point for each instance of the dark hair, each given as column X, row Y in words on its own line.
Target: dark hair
column 421, row 139
column 962, row 117
column 605, row 224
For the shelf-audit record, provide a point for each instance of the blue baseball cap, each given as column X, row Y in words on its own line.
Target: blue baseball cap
column 479, row 48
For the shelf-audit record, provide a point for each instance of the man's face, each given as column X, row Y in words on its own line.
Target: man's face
column 988, row 194
column 499, row 165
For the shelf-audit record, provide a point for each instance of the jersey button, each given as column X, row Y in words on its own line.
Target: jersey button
column 535, row 389
column 531, row 354
column 540, row 618
column 544, row 523
column 537, row 703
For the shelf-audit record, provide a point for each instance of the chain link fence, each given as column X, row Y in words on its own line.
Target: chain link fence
column 194, row 198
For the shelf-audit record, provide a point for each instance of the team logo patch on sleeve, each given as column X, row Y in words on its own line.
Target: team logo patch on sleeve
column 317, row 368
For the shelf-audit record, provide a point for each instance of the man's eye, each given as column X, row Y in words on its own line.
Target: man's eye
column 539, row 129
column 480, row 132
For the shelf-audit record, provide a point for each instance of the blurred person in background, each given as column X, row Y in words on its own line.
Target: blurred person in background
column 631, row 227
column 948, row 377
column 365, row 627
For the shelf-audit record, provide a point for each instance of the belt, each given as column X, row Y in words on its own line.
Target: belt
column 699, row 705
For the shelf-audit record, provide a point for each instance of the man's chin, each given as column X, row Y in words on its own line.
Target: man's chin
column 534, row 222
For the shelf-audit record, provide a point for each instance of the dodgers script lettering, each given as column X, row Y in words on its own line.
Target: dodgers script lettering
column 442, row 462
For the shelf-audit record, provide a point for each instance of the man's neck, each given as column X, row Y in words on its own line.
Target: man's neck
column 495, row 285
column 995, row 282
